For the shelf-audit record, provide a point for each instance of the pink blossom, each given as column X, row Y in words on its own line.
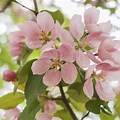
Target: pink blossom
column 16, row 43
column 109, row 50
column 9, row 76
column 95, row 39
column 45, row 116
column 76, row 32
column 41, row 33
column 50, row 107
column 102, row 86
column 91, row 17
column 56, row 64
column 12, row 114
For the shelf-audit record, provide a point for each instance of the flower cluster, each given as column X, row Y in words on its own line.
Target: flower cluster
column 86, row 45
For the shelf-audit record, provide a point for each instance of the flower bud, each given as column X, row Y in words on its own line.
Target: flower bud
column 50, row 107
column 9, row 76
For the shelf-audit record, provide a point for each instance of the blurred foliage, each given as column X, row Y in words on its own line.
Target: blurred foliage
column 110, row 5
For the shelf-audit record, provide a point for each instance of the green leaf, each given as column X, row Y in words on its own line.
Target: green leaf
column 104, row 116
column 57, row 15
column 117, row 106
column 24, row 72
column 63, row 114
column 28, row 114
column 75, row 91
column 33, row 89
column 93, row 106
column 10, row 100
column 77, row 105
column 34, row 86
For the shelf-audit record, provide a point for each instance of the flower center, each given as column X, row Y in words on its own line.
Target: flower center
column 45, row 37
column 57, row 64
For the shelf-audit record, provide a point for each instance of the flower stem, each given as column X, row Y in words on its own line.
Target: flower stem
column 35, row 5
column 64, row 99
column 85, row 115
column 35, row 12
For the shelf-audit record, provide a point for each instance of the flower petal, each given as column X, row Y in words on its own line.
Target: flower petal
column 45, row 21
column 82, row 59
column 52, row 78
column 106, row 26
column 43, row 116
column 89, row 71
column 50, row 54
column 104, row 91
column 69, row 73
column 56, row 118
column 67, row 52
column 91, row 15
column 88, row 88
column 65, row 37
column 76, row 26
column 41, row 66
column 30, row 29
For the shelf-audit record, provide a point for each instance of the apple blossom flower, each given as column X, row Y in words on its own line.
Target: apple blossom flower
column 45, row 116
column 9, row 76
column 95, row 39
column 91, row 17
column 12, row 114
column 16, row 40
column 76, row 32
column 50, row 107
column 40, row 33
column 56, row 64
column 109, row 50
column 102, row 86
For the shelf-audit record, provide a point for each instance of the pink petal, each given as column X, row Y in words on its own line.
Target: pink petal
column 108, row 65
column 30, row 30
column 41, row 66
column 89, row 71
column 43, row 116
column 12, row 114
column 32, row 33
column 92, row 57
column 105, row 27
column 104, row 91
column 48, row 46
column 65, row 37
column 56, row 30
column 17, row 36
column 52, row 78
column 116, row 57
column 82, row 59
column 45, row 21
column 50, row 107
column 56, row 118
column 88, row 88
column 76, row 26
column 33, row 44
column 50, row 54
column 91, row 15
column 92, row 28
column 69, row 73
column 95, row 39
column 66, row 52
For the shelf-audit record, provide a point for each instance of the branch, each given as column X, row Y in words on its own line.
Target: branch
column 85, row 115
column 25, row 7
column 6, row 6
column 64, row 99
column 35, row 5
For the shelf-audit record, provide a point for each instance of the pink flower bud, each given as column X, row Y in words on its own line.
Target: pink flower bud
column 50, row 107
column 9, row 75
